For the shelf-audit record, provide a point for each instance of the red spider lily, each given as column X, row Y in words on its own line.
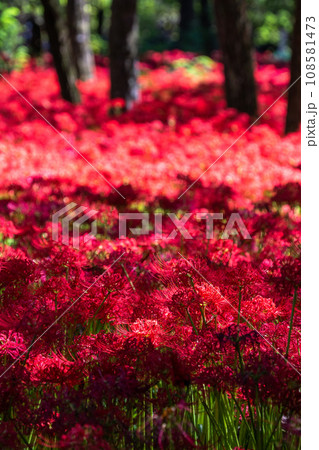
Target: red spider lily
column 121, row 340
column 12, row 344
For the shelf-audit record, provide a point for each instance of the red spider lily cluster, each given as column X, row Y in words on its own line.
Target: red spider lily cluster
column 111, row 346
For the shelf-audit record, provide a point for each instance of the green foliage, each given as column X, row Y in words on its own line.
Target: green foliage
column 223, row 421
column 99, row 45
column 269, row 31
column 194, row 67
column 158, row 24
column 13, row 52
column 268, row 18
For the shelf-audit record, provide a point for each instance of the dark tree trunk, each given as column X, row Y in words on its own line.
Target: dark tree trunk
column 204, row 14
column 60, row 49
column 79, row 28
column 100, row 22
column 294, row 94
column 205, row 20
column 236, row 44
column 186, row 20
column 33, row 39
column 36, row 43
column 123, row 51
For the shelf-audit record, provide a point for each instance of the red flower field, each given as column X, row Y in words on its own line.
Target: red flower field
column 143, row 342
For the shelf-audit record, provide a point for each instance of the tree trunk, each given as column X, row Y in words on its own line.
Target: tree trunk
column 123, row 51
column 33, row 38
column 235, row 41
column 100, row 21
column 205, row 20
column 60, row 49
column 186, row 20
column 294, row 94
column 204, row 14
column 79, row 28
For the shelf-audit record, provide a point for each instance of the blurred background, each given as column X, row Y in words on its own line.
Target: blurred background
column 79, row 32
column 163, row 24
